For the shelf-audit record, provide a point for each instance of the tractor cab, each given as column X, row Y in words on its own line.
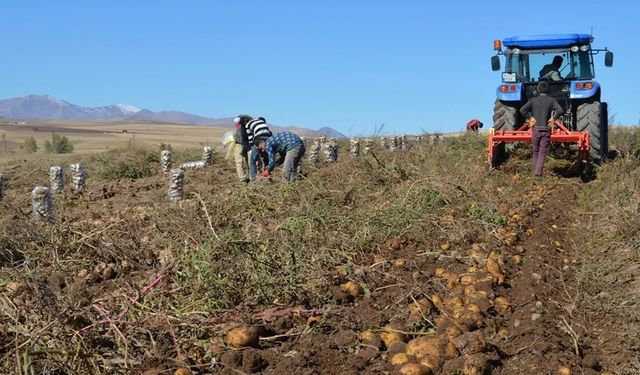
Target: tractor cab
column 566, row 61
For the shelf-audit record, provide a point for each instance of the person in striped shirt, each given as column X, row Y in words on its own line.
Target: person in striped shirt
column 291, row 150
column 256, row 128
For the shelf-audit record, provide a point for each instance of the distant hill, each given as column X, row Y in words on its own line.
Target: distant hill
column 45, row 107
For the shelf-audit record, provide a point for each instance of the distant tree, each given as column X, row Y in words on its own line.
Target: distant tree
column 58, row 145
column 63, row 145
column 30, row 145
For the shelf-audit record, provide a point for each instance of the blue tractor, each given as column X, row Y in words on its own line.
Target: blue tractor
column 566, row 61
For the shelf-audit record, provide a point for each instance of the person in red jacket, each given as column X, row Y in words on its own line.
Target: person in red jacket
column 474, row 125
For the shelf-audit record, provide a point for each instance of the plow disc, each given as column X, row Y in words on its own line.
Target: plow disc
column 559, row 134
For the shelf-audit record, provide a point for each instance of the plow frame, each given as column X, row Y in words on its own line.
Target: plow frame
column 524, row 134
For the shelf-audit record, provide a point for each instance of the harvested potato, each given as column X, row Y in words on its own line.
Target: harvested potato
column 15, row 288
column 399, row 359
column 503, row 332
column 182, row 371
column 439, row 272
column 352, row 288
column 450, row 351
column 517, row 259
column 454, row 302
column 415, row 369
column 502, row 305
column 437, row 301
column 470, row 343
column 83, row 273
column 100, row 267
column 493, row 267
column 313, row 320
column 421, row 307
column 474, row 308
column 445, row 246
column 468, row 279
column 400, row 262
column 452, row 331
column 564, row 371
column 476, row 364
column 370, row 338
column 424, row 346
column 243, row 337
column 390, row 336
column 431, row 362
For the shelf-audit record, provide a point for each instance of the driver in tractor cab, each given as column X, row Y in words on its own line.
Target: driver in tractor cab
column 551, row 71
column 540, row 111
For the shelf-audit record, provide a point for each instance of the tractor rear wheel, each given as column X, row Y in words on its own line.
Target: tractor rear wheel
column 592, row 117
column 504, row 118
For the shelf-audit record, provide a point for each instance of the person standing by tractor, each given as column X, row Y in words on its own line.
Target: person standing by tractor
column 241, row 147
column 541, row 112
column 291, row 150
column 257, row 128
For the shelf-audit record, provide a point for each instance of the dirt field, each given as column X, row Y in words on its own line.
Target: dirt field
column 91, row 137
column 418, row 258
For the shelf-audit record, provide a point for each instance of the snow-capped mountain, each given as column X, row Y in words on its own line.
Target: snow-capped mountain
column 48, row 107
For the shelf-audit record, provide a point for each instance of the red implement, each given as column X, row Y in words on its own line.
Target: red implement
column 560, row 133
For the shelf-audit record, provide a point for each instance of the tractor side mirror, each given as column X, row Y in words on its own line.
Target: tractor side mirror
column 495, row 63
column 608, row 59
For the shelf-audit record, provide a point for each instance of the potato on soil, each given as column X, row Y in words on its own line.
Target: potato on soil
column 421, row 307
column 313, row 320
column 476, row 364
column 470, row 343
column 182, row 371
column 503, row 332
column 371, row 338
column 15, row 288
column 352, row 288
column 415, row 369
column 502, row 305
column 243, row 337
column 431, row 362
column 425, row 346
column 400, row 262
column 437, row 301
column 391, row 335
column 399, row 359
column 564, row 371
column 445, row 246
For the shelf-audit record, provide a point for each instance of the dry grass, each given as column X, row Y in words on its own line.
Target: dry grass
column 226, row 252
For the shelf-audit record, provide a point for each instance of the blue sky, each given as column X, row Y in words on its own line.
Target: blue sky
column 351, row 65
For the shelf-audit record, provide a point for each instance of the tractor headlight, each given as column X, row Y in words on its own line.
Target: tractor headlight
column 574, row 49
column 516, row 51
column 584, row 48
column 507, row 51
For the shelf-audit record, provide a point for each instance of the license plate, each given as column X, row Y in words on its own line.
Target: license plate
column 509, row 77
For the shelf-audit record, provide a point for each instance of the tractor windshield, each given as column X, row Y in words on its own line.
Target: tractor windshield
column 549, row 64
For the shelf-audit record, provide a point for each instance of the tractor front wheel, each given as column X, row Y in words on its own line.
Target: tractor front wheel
column 592, row 117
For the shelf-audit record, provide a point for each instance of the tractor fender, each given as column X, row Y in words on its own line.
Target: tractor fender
column 582, row 93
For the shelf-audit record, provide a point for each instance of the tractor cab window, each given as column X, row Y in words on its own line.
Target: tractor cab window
column 533, row 65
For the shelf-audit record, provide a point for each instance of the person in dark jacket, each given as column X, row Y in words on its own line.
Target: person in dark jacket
column 291, row 150
column 541, row 112
column 256, row 128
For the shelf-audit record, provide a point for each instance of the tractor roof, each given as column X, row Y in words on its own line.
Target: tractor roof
column 547, row 41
